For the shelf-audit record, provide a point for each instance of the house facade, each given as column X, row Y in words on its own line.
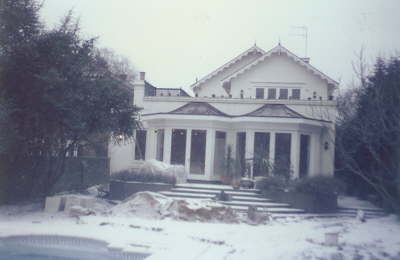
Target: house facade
column 268, row 111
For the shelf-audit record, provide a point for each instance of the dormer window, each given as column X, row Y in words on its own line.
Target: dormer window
column 259, row 93
column 295, row 93
column 283, row 93
column 272, row 93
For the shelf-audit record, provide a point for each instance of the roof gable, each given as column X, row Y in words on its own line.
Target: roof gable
column 254, row 48
column 274, row 110
column 280, row 49
column 198, row 108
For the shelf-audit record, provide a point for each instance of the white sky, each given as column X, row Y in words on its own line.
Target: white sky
column 176, row 41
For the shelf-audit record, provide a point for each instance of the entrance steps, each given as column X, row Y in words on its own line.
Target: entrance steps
column 243, row 198
column 240, row 199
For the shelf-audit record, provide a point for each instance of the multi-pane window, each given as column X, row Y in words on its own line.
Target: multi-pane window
column 259, row 93
column 283, row 93
column 282, row 162
column 304, row 162
column 272, row 93
column 295, row 93
column 140, row 145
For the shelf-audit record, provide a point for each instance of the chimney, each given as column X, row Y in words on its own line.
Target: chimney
column 142, row 75
column 306, row 59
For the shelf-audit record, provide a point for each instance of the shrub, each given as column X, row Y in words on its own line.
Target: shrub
column 272, row 183
column 319, row 185
column 129, row 175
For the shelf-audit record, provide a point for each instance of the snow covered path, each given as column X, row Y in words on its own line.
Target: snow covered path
column 167, row 239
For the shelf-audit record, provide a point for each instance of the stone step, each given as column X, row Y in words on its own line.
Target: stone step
column 211, row 196
column 217, row 187
column 269, row 210
column 366, row 210
column 257, row 204
column 214, row 192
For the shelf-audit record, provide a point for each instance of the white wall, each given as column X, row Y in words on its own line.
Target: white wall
column 279, row 71
column 213, row 85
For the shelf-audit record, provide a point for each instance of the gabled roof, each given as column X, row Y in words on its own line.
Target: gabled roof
column 274, row 110
column 198, row 108
column 280, row 49
column 254, row 48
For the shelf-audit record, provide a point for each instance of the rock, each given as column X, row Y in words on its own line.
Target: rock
column 53, row 204
column 361, row 215
column 78, row 211
column 143, row 204
column 256, row 217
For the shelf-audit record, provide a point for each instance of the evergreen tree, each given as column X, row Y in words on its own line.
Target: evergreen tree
column 368, row 142
column 63, row 93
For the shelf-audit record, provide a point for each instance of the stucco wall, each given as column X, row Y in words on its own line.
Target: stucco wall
column 279, row 71
column 213, row 85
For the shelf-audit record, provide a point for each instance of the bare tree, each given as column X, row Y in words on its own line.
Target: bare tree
column 118, row 64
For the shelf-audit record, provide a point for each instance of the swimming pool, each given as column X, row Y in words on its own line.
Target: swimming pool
column 38, row 247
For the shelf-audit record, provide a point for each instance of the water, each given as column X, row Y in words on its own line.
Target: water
column 61, row 248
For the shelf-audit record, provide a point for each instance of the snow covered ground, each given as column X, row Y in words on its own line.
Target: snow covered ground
column 169, row 239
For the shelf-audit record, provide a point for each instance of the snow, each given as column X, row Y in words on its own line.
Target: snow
column 293, row 238
column 351, row 202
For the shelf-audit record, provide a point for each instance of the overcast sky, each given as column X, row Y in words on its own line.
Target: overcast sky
column 176, row 41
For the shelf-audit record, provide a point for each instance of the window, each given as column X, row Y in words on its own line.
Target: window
column 140, row 147
column 272, row 93
column 261, row 154
column 304, row 162
column 178, row 146
column 259, row 93
column 283, row 93
column 282, row 154
column 296, row 93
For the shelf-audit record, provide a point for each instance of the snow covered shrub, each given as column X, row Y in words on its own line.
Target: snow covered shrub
column 130, row 175
column 319, row 185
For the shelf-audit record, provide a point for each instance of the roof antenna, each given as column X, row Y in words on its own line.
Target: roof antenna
column 303, row 34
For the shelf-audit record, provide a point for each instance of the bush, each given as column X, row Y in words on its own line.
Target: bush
column 129, row 175
column 319, row 185
column 272, row 183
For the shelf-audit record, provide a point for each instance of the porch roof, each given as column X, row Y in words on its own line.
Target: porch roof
column 265, row 111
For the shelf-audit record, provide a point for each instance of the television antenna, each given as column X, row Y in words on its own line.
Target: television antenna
column 304, row 34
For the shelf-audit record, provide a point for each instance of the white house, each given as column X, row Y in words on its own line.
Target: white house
column 269, row 105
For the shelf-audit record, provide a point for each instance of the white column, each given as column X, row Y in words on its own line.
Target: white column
column 272, row 149
column 294, row 154
column 210, row 149
column 167, row 145
column 188, row 149
column 249, row 153
column 150, row 144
